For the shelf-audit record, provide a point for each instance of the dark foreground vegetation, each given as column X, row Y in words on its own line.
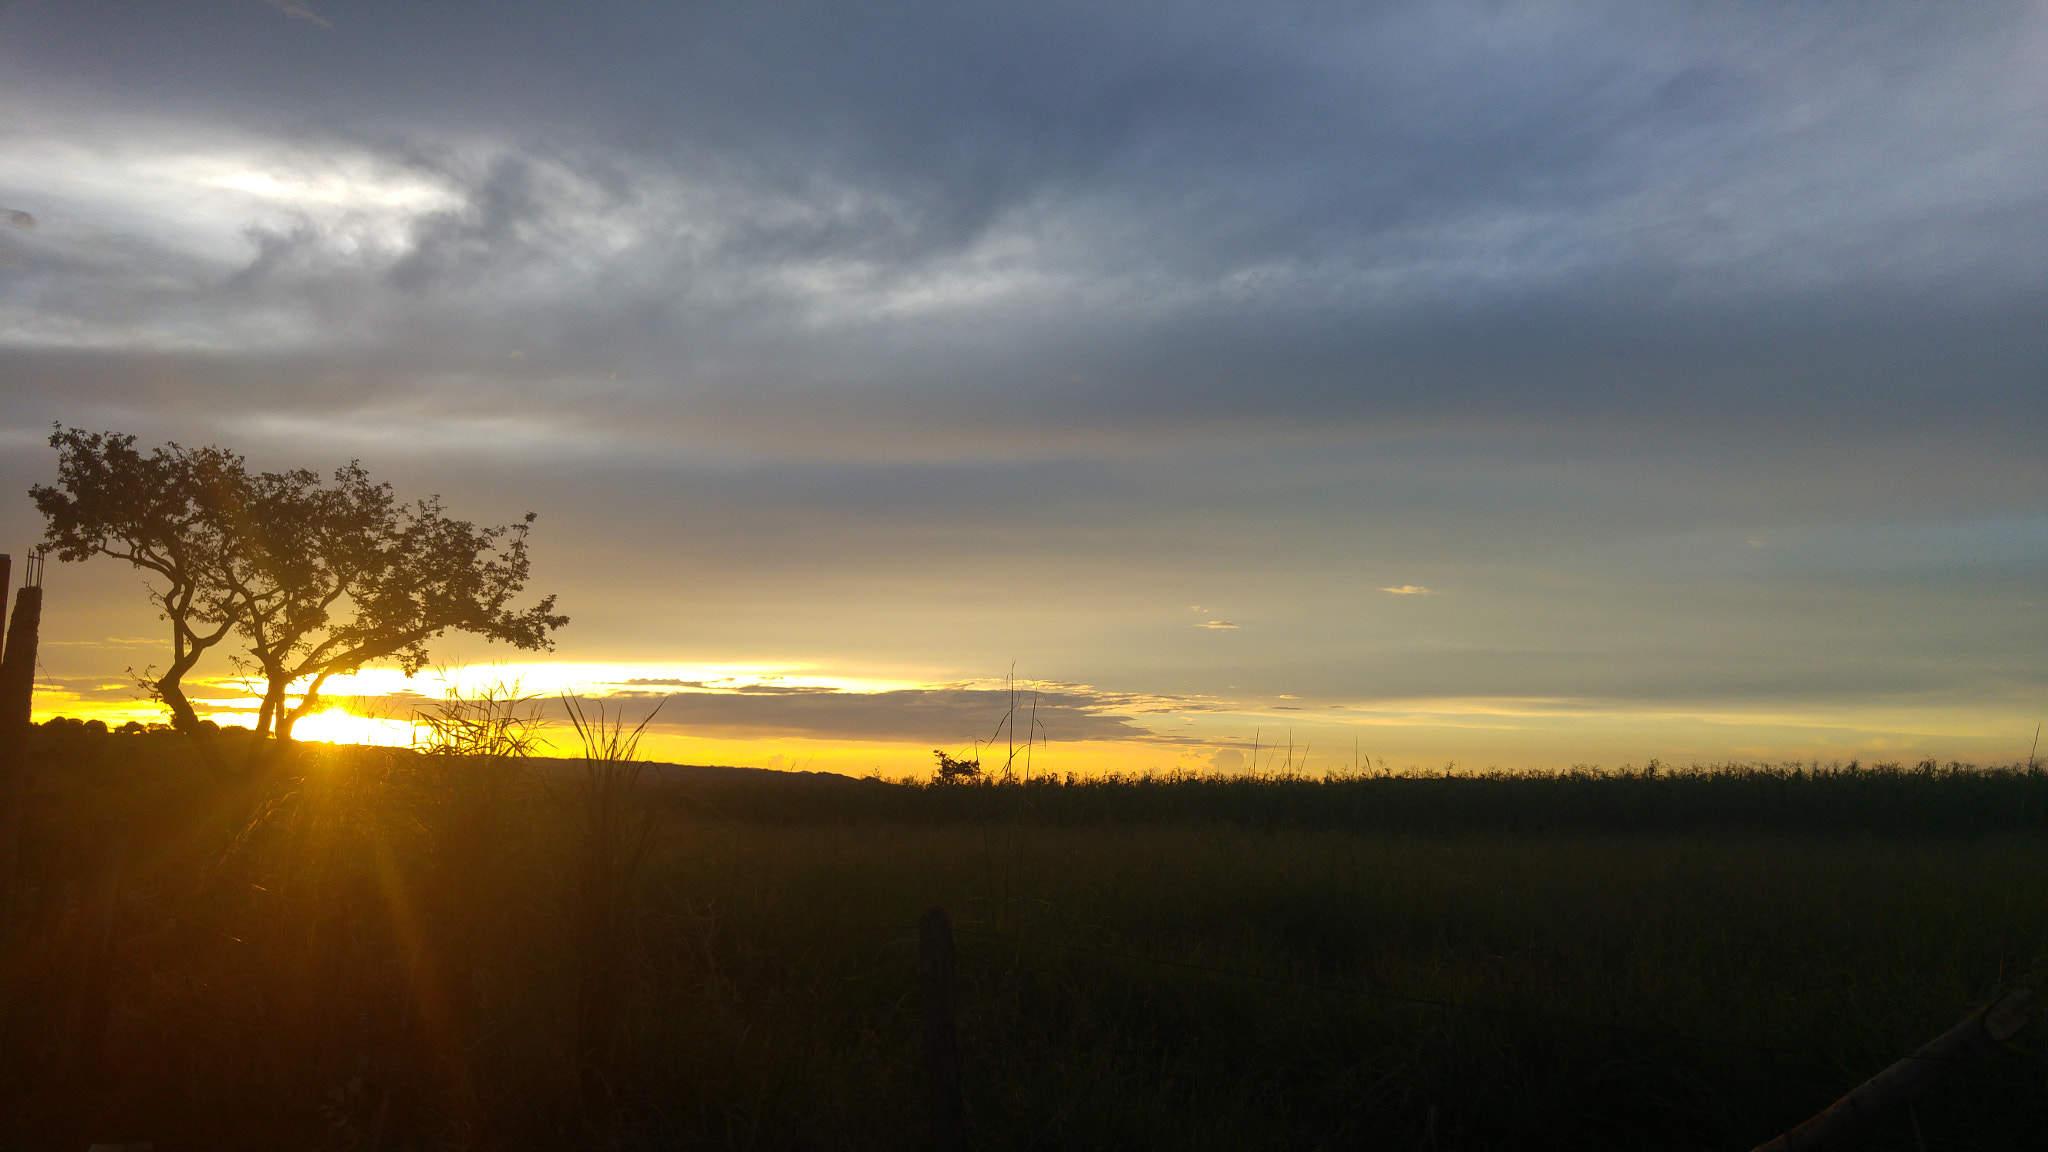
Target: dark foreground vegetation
column 358, row 949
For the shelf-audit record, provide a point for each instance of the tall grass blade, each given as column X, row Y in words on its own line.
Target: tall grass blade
column 614, row 830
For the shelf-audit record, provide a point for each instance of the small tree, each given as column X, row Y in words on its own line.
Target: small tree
column 319, row 579
column 951, row 771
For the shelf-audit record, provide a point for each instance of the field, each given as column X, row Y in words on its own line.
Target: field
column 365, row 949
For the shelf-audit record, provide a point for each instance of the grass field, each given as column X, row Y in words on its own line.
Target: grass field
column 365, row 949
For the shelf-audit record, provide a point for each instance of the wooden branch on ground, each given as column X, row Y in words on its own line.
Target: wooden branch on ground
column 1980, row 1032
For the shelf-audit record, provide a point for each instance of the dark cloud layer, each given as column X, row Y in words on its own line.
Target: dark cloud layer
column 1160, row 218
column 943, row 716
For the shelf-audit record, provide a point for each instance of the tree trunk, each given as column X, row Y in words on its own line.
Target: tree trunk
column 172, row 693
column 187, row 646
column 307, row 703
column 271, row 717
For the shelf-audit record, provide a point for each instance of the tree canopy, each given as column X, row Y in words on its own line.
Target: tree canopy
column 316, row 577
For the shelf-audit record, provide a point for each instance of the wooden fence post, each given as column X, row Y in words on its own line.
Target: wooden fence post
column 1979, row 1032
column 18, row 663
column 941, row 1042
column 17, row 700
column 6, row 586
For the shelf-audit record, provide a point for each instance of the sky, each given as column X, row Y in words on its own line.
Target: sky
column 1250, row 386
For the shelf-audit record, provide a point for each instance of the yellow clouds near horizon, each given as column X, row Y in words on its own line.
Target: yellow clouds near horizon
column 794, row 716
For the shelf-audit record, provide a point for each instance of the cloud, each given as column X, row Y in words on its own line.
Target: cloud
column 1410, row 590
column 933, row 715
column 87, row 690
column 297, row 10
column 938, row 715
column 1529, row 239
column 1216, row 624
column 108, row 642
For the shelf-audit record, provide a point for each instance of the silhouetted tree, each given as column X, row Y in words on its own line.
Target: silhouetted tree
column 951, row 771
column 318, row 578
column 346, row 577
column 159, row 513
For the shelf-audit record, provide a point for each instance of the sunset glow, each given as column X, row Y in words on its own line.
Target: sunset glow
column 701, row 715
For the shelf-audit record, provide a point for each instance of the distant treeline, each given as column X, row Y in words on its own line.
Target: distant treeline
column 1926, row 798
